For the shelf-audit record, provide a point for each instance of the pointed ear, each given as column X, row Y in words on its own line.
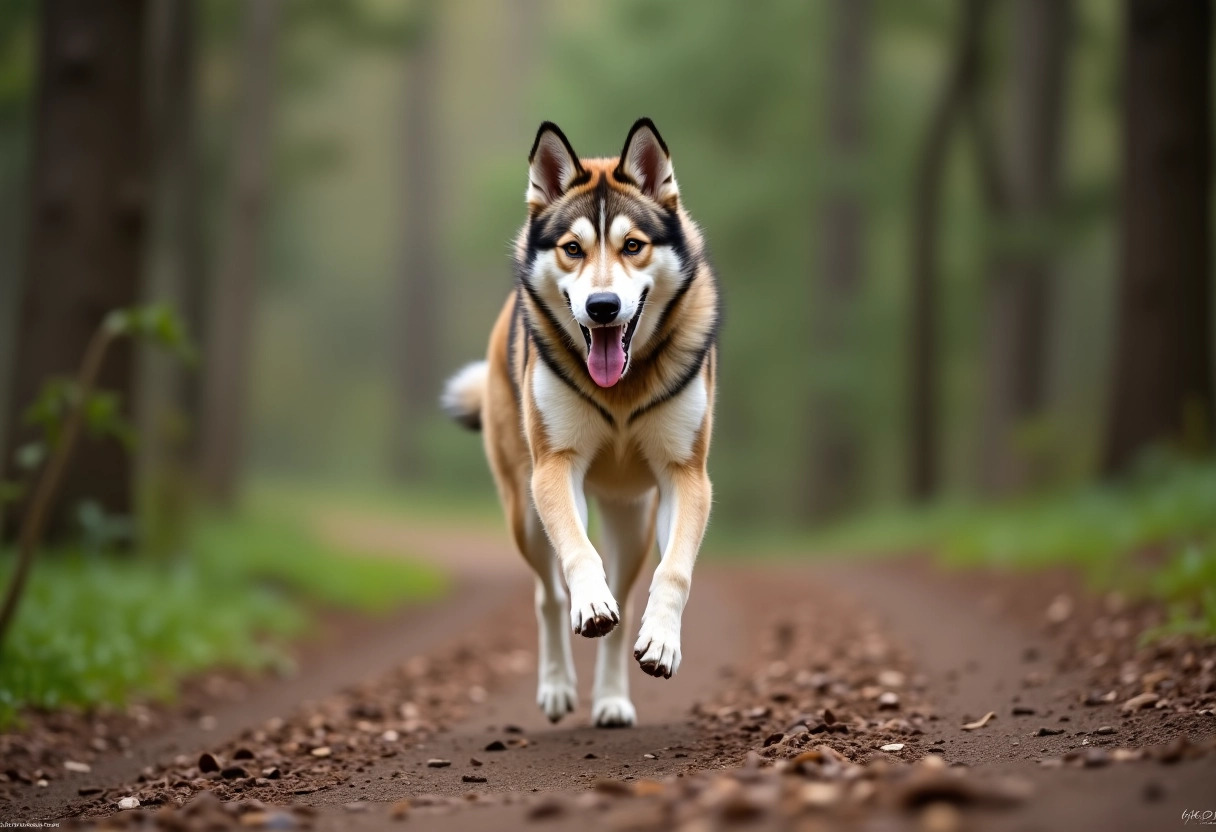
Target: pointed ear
column 646, row 162
column 552, row 166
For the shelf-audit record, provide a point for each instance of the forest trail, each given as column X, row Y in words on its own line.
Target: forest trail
column 823, row 691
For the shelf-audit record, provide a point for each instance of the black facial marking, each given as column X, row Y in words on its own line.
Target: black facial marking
column 545, row 354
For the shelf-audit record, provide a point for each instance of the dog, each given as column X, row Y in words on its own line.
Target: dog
column 599, row 382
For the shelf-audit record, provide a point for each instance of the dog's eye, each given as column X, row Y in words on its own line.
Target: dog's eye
column 633, row 246
column 573, row 249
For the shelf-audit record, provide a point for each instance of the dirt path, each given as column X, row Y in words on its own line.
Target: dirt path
column 829, row 691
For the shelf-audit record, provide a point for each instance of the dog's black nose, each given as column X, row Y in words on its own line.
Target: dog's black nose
column 603, row 307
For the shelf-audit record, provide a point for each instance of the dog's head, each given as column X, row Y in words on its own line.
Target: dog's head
column 604, row 240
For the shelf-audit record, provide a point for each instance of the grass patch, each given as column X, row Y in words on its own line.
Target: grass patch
column 424, row 506
column 105, row 629
column 1152, row 535
column 268, row 547
column 100, row 630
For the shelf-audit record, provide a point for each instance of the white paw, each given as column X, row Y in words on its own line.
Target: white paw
column 593, row 610
column 658, row 649
column 556, row 698
column 614, row 712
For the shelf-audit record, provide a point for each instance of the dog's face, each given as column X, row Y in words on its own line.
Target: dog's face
column 604, row 242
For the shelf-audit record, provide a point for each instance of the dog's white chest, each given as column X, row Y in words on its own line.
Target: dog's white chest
column 664, row 434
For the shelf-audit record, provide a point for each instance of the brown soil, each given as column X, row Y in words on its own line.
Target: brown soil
column 825, row 693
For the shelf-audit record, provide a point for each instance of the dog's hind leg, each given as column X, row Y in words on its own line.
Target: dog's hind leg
column 556, row 691
column 627, row 538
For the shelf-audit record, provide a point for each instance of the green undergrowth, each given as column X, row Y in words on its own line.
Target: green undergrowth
column 1151, row 535
column 97, row 629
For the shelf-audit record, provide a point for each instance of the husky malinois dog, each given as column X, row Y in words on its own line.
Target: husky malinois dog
column 599, row 382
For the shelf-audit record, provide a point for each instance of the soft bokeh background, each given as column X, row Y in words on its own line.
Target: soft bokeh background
column 741, row 95
column 345, row 180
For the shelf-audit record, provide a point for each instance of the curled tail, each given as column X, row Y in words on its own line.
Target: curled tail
column 464, row 394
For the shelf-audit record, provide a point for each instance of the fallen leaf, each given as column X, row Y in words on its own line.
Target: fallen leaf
column 1138, row 702
column 981, row 722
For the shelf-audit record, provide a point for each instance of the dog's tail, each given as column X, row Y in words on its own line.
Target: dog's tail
column 464, row 395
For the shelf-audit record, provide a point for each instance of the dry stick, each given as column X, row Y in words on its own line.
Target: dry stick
column 33, row 524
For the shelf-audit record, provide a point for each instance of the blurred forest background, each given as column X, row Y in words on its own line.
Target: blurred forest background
column 964, row 244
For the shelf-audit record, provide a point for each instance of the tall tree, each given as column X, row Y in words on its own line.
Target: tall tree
column 1163, row 354
column 177, row 255
column 18, row 25
column 417, row 302
column 835, row 463
column 87, row 212
column 233, row 294
column 926, row 207
column 1022, row 189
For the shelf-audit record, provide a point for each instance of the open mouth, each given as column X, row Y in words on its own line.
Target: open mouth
column 608, row 348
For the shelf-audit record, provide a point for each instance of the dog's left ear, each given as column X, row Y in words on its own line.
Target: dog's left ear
column 646, row 163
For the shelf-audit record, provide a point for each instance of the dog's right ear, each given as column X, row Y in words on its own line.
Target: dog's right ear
column 552, row 167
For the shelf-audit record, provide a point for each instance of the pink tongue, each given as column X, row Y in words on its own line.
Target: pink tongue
column 606, row 361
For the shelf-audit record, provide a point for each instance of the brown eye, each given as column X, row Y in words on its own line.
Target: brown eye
column 573, row 249
column 633, row 246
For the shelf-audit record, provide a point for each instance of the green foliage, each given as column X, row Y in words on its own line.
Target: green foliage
column 1095, row 525
column 1187, row 581
column 100, row 630
column 271, row 547
column 10, row 491
column 157, row 324
column 104, row 630
column 59, row 396
column 18, row 46
column 1152, row 535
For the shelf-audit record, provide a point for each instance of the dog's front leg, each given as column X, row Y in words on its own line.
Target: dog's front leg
column 557, row 489
column 685, row 495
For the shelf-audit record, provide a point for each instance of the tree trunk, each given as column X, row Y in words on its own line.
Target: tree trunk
column 1162, row 390
column 1025, row 190
column 87, row 212
column 177, row 269
column 418, row 304
column 923, row 421
column 835, row 462
column 233, row 296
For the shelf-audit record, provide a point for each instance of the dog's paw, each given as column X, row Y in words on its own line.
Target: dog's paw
column 556, row 698
column 614, row 712
column 593, row 610
column 658, row 650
